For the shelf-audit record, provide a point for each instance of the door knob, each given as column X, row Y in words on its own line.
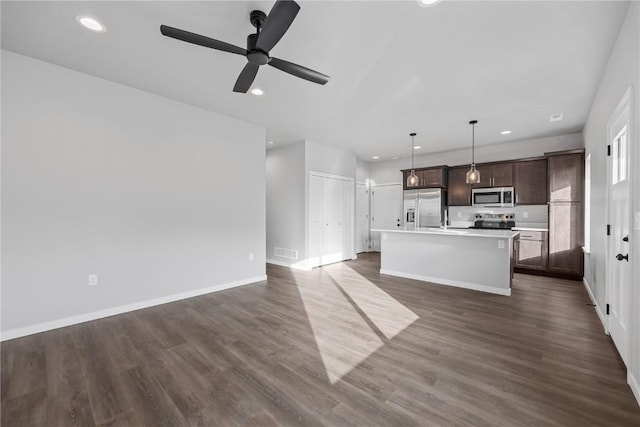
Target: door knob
column 625, row 239
column 620, row 257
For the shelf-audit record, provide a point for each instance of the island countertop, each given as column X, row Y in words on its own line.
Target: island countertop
column 470, row 232
column 467, row 258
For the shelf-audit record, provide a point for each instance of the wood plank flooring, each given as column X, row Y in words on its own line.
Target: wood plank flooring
column 339, row 345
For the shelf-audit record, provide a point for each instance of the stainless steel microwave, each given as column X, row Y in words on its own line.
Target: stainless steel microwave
column 498, row 197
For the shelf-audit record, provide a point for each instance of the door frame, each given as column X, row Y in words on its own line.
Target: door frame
column 625, row 107
column 351, row 209
column 367, row 189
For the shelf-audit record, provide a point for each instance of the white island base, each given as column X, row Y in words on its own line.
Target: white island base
column 473, row 259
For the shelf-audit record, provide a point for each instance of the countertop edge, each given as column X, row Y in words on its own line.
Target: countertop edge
column 504, row 233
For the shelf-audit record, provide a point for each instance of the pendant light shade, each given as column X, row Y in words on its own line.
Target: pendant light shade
column 473, row 176
column 412, row 179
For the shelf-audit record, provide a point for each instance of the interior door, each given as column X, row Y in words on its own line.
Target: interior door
column 386, row 210
column 619, row 217
column 332, row 242
column 362, row 218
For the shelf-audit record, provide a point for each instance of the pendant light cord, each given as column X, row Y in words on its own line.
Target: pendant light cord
column 473, row 143
column 413, row 164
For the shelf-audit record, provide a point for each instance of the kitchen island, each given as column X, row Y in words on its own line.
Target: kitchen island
column 467, row 258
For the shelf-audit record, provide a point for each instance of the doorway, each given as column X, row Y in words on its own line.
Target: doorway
column 618, row 265
column 386, row 210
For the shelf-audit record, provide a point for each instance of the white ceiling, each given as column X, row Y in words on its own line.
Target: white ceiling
column 395, row 67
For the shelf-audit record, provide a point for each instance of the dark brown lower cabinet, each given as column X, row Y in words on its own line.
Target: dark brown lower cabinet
column 566, row 238
column 531, row 250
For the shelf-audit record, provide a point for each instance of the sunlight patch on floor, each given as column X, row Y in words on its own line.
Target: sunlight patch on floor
column 335, row 301
column 384, row 311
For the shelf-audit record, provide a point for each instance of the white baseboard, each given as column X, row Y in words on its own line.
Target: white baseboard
column 73, row 320
column 635, row 387
column 595, row 305
column 439, row 281
column 300, row 265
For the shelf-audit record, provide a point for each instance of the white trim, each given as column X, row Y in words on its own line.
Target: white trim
column 446, row 282
column 635, row 388
column 596, row 306
column 385, row 184
column 300, row 265
column 87, row 317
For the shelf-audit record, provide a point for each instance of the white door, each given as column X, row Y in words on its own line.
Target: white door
column 362, row 218
column 386, row 210
column 619, row 267
column 330, row 219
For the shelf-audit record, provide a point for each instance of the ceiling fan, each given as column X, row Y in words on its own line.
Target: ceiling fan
column 269, row 30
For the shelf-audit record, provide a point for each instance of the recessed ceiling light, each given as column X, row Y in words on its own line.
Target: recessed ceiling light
column 257, row 91
column 427, row 3
column 417, row 147
column 91, row 24
column 555, row 117
column 375, row 157
column 395, row 157
column 505, row 132
column 269, row 142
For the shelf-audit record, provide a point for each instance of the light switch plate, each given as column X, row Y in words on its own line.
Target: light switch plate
column 500, row 244
column 525, row 214
column 384, row 236
column 93, row 280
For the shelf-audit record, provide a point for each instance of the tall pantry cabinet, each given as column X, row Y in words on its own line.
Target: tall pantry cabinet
column 566, row 207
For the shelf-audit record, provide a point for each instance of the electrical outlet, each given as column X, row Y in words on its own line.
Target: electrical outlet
column 93, row 280
column 636, row 221
column 384, row 236
column 250, row 256
column 500, row 244
column 525, row 214
column 459, row 214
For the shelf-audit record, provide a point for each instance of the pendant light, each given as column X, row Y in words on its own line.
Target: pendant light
column 473, row 176
column 412, row 179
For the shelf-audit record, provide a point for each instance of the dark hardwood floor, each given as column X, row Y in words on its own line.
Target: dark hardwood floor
column 339, row 345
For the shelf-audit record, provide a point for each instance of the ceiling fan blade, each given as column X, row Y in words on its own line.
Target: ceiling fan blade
column 246, row 77
column 299, row 71
column 188, row 37
column 278, row 22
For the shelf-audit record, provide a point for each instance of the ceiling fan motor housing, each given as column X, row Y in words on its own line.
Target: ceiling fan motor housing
column 255, row 56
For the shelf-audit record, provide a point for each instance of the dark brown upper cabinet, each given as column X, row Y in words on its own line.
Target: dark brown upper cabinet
column 566, row 177
column 433, row 177
column 531, row 182
column 459, row 192
column 495, row 175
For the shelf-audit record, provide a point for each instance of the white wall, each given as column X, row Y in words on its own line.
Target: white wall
column 287, row 175
column 286, row 186
column 622, row 71
column 157, row 197
column 330, row 160
column 389, row 171
column 362, row 171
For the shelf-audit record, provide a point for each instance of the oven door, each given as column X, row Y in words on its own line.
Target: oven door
column 487, row 197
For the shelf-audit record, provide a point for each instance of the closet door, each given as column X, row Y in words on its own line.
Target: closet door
column 332, row 235
column 331, row 205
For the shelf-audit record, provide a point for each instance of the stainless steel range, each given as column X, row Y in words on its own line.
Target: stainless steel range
column 503, row 221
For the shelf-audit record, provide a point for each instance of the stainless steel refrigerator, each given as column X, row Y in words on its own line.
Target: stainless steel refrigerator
column 424, row 208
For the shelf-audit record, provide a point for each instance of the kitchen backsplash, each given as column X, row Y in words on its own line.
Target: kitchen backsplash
column 525, row 216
